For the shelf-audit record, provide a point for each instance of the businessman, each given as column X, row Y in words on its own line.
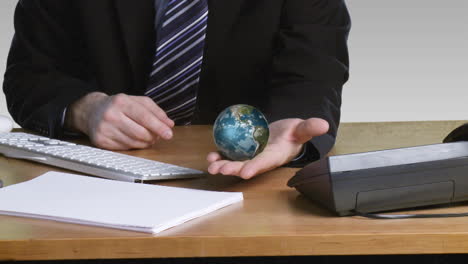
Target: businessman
column 125, row 72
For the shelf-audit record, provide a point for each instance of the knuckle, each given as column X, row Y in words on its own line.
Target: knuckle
column 160, row 128
column 109, row 116
column 148, row 101
column 119, row 99
column 225, row 171
column 162, row 113
column 142, row 135
column 246, row 175
column 211, row 170
column 147, row 119
column 158, row 110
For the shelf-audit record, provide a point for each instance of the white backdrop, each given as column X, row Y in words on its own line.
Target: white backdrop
column 6, row 33
column 408, row 59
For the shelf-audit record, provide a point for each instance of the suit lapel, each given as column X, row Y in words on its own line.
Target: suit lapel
column 136, row 19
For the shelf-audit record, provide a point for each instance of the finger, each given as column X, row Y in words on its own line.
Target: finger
column 145, row 118
column 310, row 128
column 135, row 131
column 108, row 133
column 112, row 145
column 213, row 156
column 232, row 168
column 105, row 142
column 138, row 113
column 155, row 109
column 215, row 166
column 126, row 142
column 261, row 163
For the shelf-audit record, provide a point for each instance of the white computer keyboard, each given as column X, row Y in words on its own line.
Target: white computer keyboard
column 89, row 160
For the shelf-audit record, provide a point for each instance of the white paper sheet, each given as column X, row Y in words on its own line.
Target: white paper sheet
column 101, row 202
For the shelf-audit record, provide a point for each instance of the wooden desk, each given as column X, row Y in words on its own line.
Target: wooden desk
column 272, row 221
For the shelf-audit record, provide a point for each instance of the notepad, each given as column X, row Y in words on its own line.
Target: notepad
column 100, row 202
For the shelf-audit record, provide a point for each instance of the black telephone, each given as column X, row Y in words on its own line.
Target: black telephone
column 389, row 179
column 459, row 134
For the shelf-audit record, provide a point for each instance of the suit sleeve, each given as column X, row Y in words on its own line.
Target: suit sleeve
column 45, row 69
column 310, row 66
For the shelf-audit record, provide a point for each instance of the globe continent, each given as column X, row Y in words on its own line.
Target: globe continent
column 240, row 132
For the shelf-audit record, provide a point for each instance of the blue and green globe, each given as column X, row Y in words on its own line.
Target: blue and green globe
column 240, row 132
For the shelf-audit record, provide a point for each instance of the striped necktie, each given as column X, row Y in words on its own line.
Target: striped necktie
column 174, row 77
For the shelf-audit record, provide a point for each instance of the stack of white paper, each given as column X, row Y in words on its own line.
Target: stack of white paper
column 100, row 202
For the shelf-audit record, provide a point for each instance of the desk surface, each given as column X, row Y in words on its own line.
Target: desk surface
column 273, row 220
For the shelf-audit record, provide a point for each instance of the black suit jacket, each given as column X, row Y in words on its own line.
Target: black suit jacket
column 287, row 57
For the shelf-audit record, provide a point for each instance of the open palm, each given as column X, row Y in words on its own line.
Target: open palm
column 287, row 137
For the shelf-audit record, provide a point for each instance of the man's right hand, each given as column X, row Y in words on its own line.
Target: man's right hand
column 119, row 122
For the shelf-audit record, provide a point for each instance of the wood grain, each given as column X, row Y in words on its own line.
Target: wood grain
column 273, row 220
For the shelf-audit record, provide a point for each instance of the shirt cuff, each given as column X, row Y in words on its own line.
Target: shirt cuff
column 66, row 132
column 308, row 154
column 302, row 154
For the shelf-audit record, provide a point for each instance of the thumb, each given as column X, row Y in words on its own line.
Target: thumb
column 307, row 129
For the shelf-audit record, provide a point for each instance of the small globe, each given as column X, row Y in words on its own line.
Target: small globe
column 240, row 132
